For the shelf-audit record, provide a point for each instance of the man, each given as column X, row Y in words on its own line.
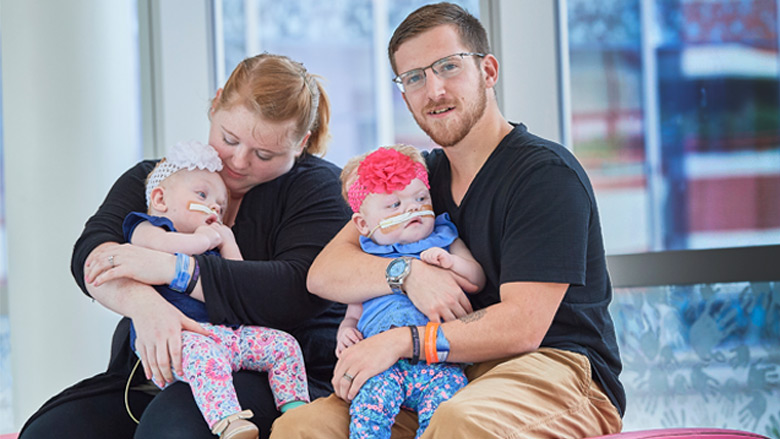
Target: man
column 542, row 344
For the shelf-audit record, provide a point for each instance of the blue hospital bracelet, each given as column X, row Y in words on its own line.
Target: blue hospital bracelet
column 182, row 277
column 442, row 345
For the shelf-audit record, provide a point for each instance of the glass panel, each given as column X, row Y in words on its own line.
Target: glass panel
column 607, row 115
column 6, row 413
column 6, row 407
column 676, row 116
column 701, row 356
column 337, row 41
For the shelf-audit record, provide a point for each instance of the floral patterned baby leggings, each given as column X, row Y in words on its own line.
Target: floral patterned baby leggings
column 209, row 362
column 420, row 388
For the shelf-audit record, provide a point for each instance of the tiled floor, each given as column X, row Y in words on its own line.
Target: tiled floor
column 6, row 418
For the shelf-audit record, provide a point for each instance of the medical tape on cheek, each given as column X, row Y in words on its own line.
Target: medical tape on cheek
column 394, row 222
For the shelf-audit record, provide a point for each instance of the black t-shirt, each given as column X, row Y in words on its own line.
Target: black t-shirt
column 530, row 215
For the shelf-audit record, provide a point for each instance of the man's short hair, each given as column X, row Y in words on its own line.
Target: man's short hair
column 472, row 33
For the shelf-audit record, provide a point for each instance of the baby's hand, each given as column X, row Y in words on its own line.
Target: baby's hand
column 346, row 338
column 437, row 256
column 211, row 233
column 225, row 233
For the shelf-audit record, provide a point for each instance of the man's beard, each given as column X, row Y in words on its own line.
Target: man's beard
column 453, row 131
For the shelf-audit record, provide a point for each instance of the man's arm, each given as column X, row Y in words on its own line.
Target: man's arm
column 513, row 326
column 344, row 273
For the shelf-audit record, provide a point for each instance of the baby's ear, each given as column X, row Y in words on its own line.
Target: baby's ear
column 157, row 200
column 360, row 223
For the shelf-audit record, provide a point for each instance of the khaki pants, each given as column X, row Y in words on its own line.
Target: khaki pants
column 548, row 393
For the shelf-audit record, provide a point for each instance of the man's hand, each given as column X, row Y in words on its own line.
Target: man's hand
column 436, row 292
column 368, row 358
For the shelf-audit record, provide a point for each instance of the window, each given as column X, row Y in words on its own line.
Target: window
column 6, row 412
column 346, row 44
column 676, row 116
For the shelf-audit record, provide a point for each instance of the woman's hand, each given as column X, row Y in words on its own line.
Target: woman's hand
column 158, row 330
column 109, row 262
column 158, row 324
column 366, row 359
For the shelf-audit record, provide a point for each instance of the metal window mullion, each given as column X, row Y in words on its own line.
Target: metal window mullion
column 489, row 15
column 564, row 73
column 655, row 182
column 251, row 27
column 219, row 42
column 385, row 131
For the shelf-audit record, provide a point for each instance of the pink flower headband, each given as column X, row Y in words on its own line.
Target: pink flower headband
column 384, row 171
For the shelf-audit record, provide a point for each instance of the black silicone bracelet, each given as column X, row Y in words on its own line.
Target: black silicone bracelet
column 193, row 279
column 415, row 345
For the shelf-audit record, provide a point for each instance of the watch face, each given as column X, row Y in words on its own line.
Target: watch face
column 396, row 268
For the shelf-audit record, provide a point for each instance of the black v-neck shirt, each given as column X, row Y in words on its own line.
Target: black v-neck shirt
column 530, row 215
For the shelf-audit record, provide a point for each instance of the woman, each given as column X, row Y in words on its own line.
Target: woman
column 267, row 124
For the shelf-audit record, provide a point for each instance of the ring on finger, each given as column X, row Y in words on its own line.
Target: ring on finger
column 348, row 377
column 111, row 260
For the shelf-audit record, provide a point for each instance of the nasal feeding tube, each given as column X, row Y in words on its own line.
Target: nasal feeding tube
column 391, row 223
column 198, row 207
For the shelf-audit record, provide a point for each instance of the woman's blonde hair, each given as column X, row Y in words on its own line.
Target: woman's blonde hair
column 279, row 89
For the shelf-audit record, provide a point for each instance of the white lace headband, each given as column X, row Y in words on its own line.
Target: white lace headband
column 184, row 155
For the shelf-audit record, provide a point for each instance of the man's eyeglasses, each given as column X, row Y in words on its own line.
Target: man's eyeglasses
column 444, row 68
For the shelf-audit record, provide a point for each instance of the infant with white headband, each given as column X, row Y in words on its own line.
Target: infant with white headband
column 186, row 200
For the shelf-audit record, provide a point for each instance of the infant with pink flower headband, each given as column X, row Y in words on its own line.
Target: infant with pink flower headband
column 389, row 194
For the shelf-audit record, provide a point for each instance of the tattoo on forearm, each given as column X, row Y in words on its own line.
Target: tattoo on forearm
column 473, row 317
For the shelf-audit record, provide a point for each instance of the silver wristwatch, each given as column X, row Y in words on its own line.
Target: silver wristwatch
column 397, row 271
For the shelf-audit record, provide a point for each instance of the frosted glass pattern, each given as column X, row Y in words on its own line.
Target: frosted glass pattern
column 701, row 356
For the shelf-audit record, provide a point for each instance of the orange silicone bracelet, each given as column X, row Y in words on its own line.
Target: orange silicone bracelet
column 431, row 331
